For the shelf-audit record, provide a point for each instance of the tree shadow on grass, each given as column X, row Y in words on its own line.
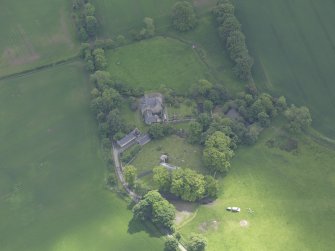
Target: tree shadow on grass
column 135, row 226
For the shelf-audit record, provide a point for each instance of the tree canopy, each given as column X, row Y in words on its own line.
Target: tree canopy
column 217, row 152
column 183, row 16
column 155, row 208
column 299, row 118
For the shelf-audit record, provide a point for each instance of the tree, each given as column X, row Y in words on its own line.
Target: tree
column 149, row 27
column 196, row 243
column 130, row 174
column 183, row 16
column 299, row 118
column 211, row 186
column 89, row 9
column 222, row 10
column 208, row 106
column 155, row 208
column 162, row 178
column 263, row 119
column 100, row 62
column 163, row 213
column 229, row 25
column 115, row 122
column 120, row 40
column 194, row 132
column 171, row 244
column 242, row 68
column 91, row 25
column 187, row 184
column 156, row 131
column 217, row 152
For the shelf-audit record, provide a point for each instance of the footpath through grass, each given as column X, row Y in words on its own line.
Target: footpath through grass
column 292, row 196
column 52, row 194
column 157, row 62
column 293, row 43
column 34, row 33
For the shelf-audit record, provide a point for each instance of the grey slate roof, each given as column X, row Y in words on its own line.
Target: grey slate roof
column 128, row 138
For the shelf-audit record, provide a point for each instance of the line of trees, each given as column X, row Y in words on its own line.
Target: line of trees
column 86, row 22
column 233, row 39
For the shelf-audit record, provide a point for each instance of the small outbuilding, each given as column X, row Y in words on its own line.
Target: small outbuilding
column 129, row 138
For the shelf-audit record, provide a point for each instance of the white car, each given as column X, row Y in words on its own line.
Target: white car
column 233, row 209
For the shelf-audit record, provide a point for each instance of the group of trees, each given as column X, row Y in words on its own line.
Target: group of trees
column 153, row 207
column 183, row 16
column 233, row 39
column 253, row 111
column 86, row 21
column 185, row 183
column 105, row 103
column 95, row 58
column 196, row 242
column 146, row 32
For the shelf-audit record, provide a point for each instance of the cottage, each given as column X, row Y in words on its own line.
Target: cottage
column 152, row 108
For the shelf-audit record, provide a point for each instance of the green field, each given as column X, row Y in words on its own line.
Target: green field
column 293, row 43
column 157, row 62
column 292, row 196
column 35, row 32
column 52, row 192
column 119, row 17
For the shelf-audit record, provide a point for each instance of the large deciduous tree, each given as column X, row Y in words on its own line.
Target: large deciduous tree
column 155, row 208
column 130, row 174
column 188, row 184
column 217, row 152
column 183, row 16
column 299, row 118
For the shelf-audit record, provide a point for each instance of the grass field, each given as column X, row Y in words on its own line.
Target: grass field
column 119, row 17
column 292, row 196
column 180, row 154
column 35, row 32
column 293, row 43
column 157, row 62
column 52, row 194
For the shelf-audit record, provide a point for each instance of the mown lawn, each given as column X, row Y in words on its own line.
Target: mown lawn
column 293, row 43
column 151, row 64
column 52, row 176
column 292, row 196
column 179, row 151
column 34, row 33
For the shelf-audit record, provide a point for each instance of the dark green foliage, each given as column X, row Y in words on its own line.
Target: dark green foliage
column 162, row 178
column 233, row 39
column 299, row 118
column 217, row 152
column 211, row 186
column 91, row 25
column 155, row 208
column 183, row 16
column 158, row 131
column 130, row 153
column 196, row 243
column 130, row 174
column 195, row 130
column 171, row 244
column 100, row 62
column 187, row 184
column 89, row 9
